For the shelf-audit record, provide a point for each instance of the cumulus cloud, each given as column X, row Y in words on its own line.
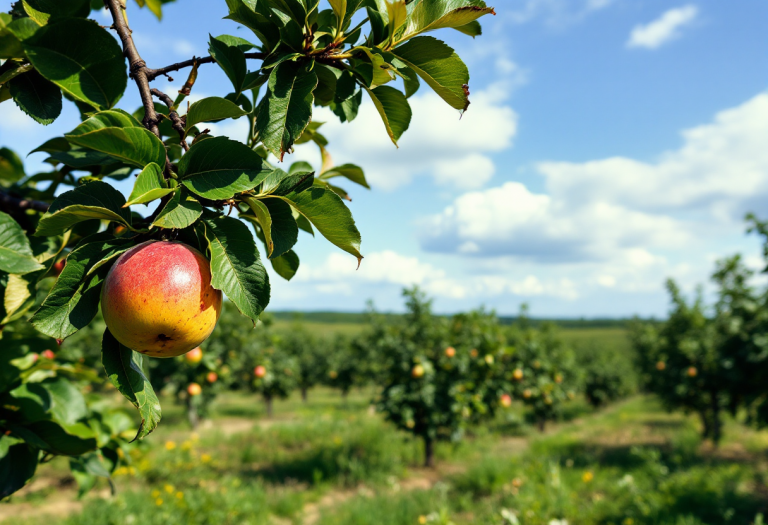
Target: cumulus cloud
column 619, row 210
column 664, row 29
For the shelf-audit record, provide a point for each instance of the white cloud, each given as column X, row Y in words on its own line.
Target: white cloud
column 664, row 29
column 620, row 214
column 438, row 139
column 558, row 13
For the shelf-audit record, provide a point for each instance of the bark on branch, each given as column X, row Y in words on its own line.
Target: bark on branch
column 9, row 203
column 154, row 73
column 177, row 122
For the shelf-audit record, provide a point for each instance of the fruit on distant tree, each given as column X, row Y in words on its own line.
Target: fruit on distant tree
column 505, row 400
column 450, row 351
column 260, row 371
column 211, row 377
column 333, row 374
column 193, row 389
column 517, row 374
column 157, row 299
column 473, row 353
column 417, row 372
column 48, row 354
column 692, row 372
column 558, row 378
column 194, row 356
column 488, row 359
column 661, row 365
column 58, row 266
column 527, row 393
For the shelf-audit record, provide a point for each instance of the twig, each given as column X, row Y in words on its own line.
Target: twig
column 9, row 203
column 154, row 73
column 138, row 67
column 177, row 121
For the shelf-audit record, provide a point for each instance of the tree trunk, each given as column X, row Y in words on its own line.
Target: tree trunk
column 304, row 394
column 192, row 415
column 707, row 429
column 717, row 427
column 429, row 452
column 542, row 423
column 268, row 401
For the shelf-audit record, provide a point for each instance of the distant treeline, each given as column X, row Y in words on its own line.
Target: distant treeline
column 360, row 317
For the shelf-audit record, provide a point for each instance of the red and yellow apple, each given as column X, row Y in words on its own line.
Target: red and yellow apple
column 505, row 400
column 193, row 389
column 157, row 299
column 692, row 372
column 517, row 374
column 450, row 351
column 48, row 354
column 260, row 371
column 194, row 356
column 211, row 377
column 417, row 372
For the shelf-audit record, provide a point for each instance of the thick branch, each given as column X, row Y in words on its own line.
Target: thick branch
column 10, row 204
column 177, row 121
column 138, row 67
column 154, row 73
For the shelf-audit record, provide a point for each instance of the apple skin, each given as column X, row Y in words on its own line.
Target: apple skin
column 450, row 351
column 211, row 377
column 157, row 299
column 260, row 371
column 194, row 356
column 517, row 374
column 193, row 389
column 417, row 372
column 506, row 400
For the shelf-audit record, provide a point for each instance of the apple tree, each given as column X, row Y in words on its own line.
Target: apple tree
column 211, row 196
column 311, row 355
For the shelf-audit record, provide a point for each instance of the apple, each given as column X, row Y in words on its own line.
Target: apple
column 119, row 229
column 260, row 371
column 661, row 365
column 58, row 266
column 692, row 372
column 417, row 372
column 517, row 374
column 488, row 359
column 558, row 378
column 473, row 353
column 333, row 374
column 505, row 400
column 193, row 389
column 157, row 299
column 527, row 393
column 194, row 356
column 450, row 351
column 211, row 377
column 48, row 354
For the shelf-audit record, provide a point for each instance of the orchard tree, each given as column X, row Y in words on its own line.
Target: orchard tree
column 275, row 375
column 159, row 279
column 311, row 355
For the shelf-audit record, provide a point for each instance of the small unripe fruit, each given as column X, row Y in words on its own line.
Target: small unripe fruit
column 450, row 351
column 558, row 378
column 517, row 374
column 527, row 393
column 333, row 374
column 157, row 299
column 692, row 372
column 537, row 364
column 194, row 356
column 473, row 353
column 506, row 400
column 661, row 365
column 58, row 266
column 410, row 423
column 194, row 389
column 417, row 372
column 260, row 371
column 547, row 401
column 517, row 483
column 48, row 354
column 211, row 377
column 488, row 359
column 119, row 229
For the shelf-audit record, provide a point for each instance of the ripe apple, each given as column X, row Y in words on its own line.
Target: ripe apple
column 661, row 365
column 194, row 356
column 211, row 377
column 48, row 354
column 517, row 374
column 450, row 351
column 505, row 400
column 417, row 372
column 194, row 389
column 692, row 372
column 527, row 393
column 58, row 266
column 260, row 371
column 157, row 299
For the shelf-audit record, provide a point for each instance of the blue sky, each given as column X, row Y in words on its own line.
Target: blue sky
column 610, row 144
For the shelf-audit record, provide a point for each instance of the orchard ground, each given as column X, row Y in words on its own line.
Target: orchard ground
column 335, row 461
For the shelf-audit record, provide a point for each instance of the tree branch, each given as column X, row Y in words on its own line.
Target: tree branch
column 9, row 203
column 177, row 121
column 138, row 67
column 154, row 73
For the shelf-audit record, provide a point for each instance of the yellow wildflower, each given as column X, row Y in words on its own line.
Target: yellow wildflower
column 168, row 488
column 205, row 458
column 159, row 501
column 170, row 445
column 587, row 477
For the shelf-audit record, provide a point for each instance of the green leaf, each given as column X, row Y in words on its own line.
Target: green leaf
column 37, row 97
column 323, row 208
column 124, row 368
column 277, row 224
column 42, row 10
column 350, row 171
column 149, row 185
column 156, row 6
column 210, row 109
column 15, row 253
column 73, row 301
column 340, row 10
column 90, row 68
column 429, row 15
column 66, row 440
column 19, row 296
column 120, row 136
column 10, row 44
column 95, row 200
column 282, row 183
column 472, row 29
column 181, row 211
column 286, row 108
column 347, row 98
column 394, row 110
column 439, row 66
column 258, row 18
column 218, row 168
column 241, row 43
column 18, row 462
column 286, row 265
column 231, row 59
column 11, row 166
column 236, row 268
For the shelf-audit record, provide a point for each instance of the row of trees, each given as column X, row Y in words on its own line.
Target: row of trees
column 712, row 359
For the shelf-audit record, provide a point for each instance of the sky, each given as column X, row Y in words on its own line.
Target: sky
column 609, row 145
